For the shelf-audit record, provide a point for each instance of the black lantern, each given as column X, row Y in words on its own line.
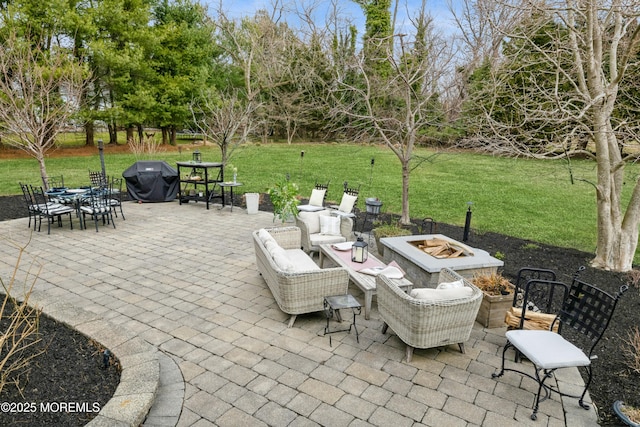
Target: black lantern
column 359, row 251
column 197, row 156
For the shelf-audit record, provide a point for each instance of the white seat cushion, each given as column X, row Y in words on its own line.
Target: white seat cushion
column 435, row 295
column 301, row 261
column 309, row 208
column 546, row 349
column 321, row 239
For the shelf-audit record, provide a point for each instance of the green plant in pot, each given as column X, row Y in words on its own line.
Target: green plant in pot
column 284, row 197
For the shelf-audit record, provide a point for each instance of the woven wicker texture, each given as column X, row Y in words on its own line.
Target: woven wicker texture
column 426, row 324
column 309, row 245
column 297, row 292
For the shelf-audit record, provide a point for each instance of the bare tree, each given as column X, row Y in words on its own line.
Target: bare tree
column 555, row 94
column 40, row 93
column 396, row 105
column 225, row 121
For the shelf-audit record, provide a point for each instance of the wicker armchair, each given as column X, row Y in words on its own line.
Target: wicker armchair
column 311, row 238
column 300, row 291
column 426, row 324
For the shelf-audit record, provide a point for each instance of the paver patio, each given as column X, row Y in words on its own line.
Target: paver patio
column 183, row 278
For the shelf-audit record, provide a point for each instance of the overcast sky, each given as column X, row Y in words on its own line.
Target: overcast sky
column 350, row 10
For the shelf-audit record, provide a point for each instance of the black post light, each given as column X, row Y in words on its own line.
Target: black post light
column 359, row 251
column 467, row 223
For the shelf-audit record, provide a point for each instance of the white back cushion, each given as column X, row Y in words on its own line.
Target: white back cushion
column 312, row 220
column 317, row 197
column 330, row 225
column 347, row 202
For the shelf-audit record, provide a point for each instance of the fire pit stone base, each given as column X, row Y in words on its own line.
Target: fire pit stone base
column 423, row 269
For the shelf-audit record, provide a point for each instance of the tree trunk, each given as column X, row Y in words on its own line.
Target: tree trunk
column 113, row 133
column 89, row 130
column 172, row 135
column 129, row 132
column 165, row 134
column 405, row 218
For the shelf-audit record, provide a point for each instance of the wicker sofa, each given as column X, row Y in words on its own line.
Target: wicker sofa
column 295, row 280
column 427, row 323
column 312, row 237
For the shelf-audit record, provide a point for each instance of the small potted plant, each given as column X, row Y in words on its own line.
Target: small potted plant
column 284, row 197
column 497, row 298
column 629, row 415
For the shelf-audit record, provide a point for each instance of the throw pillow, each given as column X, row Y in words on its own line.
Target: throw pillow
column 330, row 225
column 451, row 285
column 317, row 197
column 440, row 295
column 347, row 202
column 265, row 236
column 281, row 259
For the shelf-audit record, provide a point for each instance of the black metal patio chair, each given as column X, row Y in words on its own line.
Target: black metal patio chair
column 50, row 211
column 584, row 318
column 98, row 207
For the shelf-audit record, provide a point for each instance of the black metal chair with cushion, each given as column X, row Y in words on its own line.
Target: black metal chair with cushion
column 584, row 318
column 32, row 208
column 98, row 206
column 115, row 193
column 98, row 179
column 54, row 182
column 50, row 211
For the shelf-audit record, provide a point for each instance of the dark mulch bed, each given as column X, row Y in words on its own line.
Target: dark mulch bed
column 613, row 377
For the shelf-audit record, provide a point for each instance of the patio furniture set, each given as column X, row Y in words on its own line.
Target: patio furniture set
column 427, row 317
column 100, row 201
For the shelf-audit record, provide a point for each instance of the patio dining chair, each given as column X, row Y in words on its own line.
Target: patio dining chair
column 347, row 206
column 50, row 211
column 54, row 182
column 584, row 318
column 317, row 198
column 98, row 179
column 115, row 196
column 98, row 207
column 30, row 203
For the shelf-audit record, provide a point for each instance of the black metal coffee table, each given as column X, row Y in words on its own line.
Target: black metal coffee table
column 335, row 303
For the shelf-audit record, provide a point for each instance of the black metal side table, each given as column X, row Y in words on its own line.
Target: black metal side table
column 335, row 303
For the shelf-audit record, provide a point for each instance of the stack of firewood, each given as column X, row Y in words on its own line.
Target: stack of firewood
column 440, row 248
column 532, row 319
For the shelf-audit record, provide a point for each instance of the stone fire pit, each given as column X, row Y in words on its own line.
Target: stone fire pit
column 423, row 269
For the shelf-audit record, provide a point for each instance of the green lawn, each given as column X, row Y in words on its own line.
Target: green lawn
column 530, row 199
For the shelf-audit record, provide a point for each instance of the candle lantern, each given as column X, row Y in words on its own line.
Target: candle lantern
column 197, row 156
column 359, row 251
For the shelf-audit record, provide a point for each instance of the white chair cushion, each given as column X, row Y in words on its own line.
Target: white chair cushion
column 265, row 236
column 309, row 208
column 317, row 197
column 546, row 349
column 435, row 295
column 321, row 239
column 347, row 202
column 451, row 285
column 301, row 261
column 281, row 259
column 330, row 225
column 312, row 220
